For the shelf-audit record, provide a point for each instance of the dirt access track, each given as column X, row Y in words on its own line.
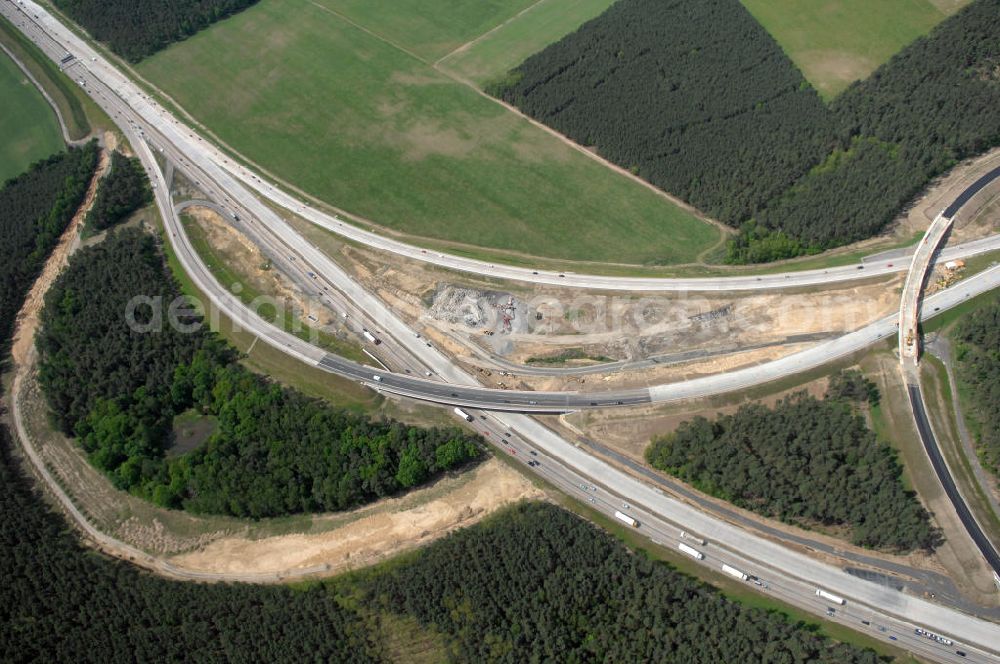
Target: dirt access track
column 376, row 535
column 229, row 549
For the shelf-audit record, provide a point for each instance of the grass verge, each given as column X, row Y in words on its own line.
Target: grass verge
column 938, row 393
column 28, row 126
column 265, row 359
column 78, row 111
column 236, row 279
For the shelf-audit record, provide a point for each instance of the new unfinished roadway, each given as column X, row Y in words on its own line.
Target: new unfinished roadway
column 786, row 573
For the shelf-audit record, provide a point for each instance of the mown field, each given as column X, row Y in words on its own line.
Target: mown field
column 509, row 44
column 369, row 128
column 836, row 42
column 428, row 28
column 28, row 127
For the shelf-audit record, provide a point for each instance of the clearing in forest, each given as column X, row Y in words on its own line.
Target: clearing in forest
column 836, row 42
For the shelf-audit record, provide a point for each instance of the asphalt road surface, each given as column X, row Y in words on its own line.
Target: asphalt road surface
column 792, row 575
column 212, row 160
column 980, row 539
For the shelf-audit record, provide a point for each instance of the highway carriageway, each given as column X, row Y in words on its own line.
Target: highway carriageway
column 219, row 166
column 557, row 402
column 529, row 401
column 942, row 619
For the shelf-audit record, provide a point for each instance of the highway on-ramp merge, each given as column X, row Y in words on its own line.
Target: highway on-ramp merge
column 660, row 515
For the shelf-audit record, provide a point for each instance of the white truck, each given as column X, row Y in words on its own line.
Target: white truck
column 625, row 518
column 371, row 337
column 464, row 415
column 732, row 571
column 836, row 599
column 696, row 540
column 691, row 551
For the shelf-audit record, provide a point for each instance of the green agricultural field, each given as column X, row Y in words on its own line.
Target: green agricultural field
column 368, row 128
column 835, row 42
column 428, row 28
column 28, row 127
column 510, row 44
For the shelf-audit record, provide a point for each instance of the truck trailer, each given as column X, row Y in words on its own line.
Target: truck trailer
column 464, row 415
column 830, row 597
column 371, row 337
column 732, row 571
column 626, row 519
column 691, row 551
column 693, row 538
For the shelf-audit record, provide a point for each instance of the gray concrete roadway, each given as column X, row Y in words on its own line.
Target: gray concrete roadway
column 793, row 572
column 211, row 160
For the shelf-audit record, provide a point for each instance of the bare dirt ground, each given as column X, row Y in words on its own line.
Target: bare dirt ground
column 130, row 528
column 372, row 536
column 645, row 376
column 465, row 315
column 246, row 258
column 969, row 224
column 27, row 320
column 427, row 513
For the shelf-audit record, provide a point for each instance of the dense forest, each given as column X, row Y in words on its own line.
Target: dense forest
column 930, row 106
column 135, row 30
column 117, row 386
column 852, row 385
column 35, row 209
column 123, row 190
column 579, row 593
column 533, row 583
column 698, row 99
column 537, row 584
column 62, row 603
column 694, row 97
column 978, row 355
column 805, row 461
